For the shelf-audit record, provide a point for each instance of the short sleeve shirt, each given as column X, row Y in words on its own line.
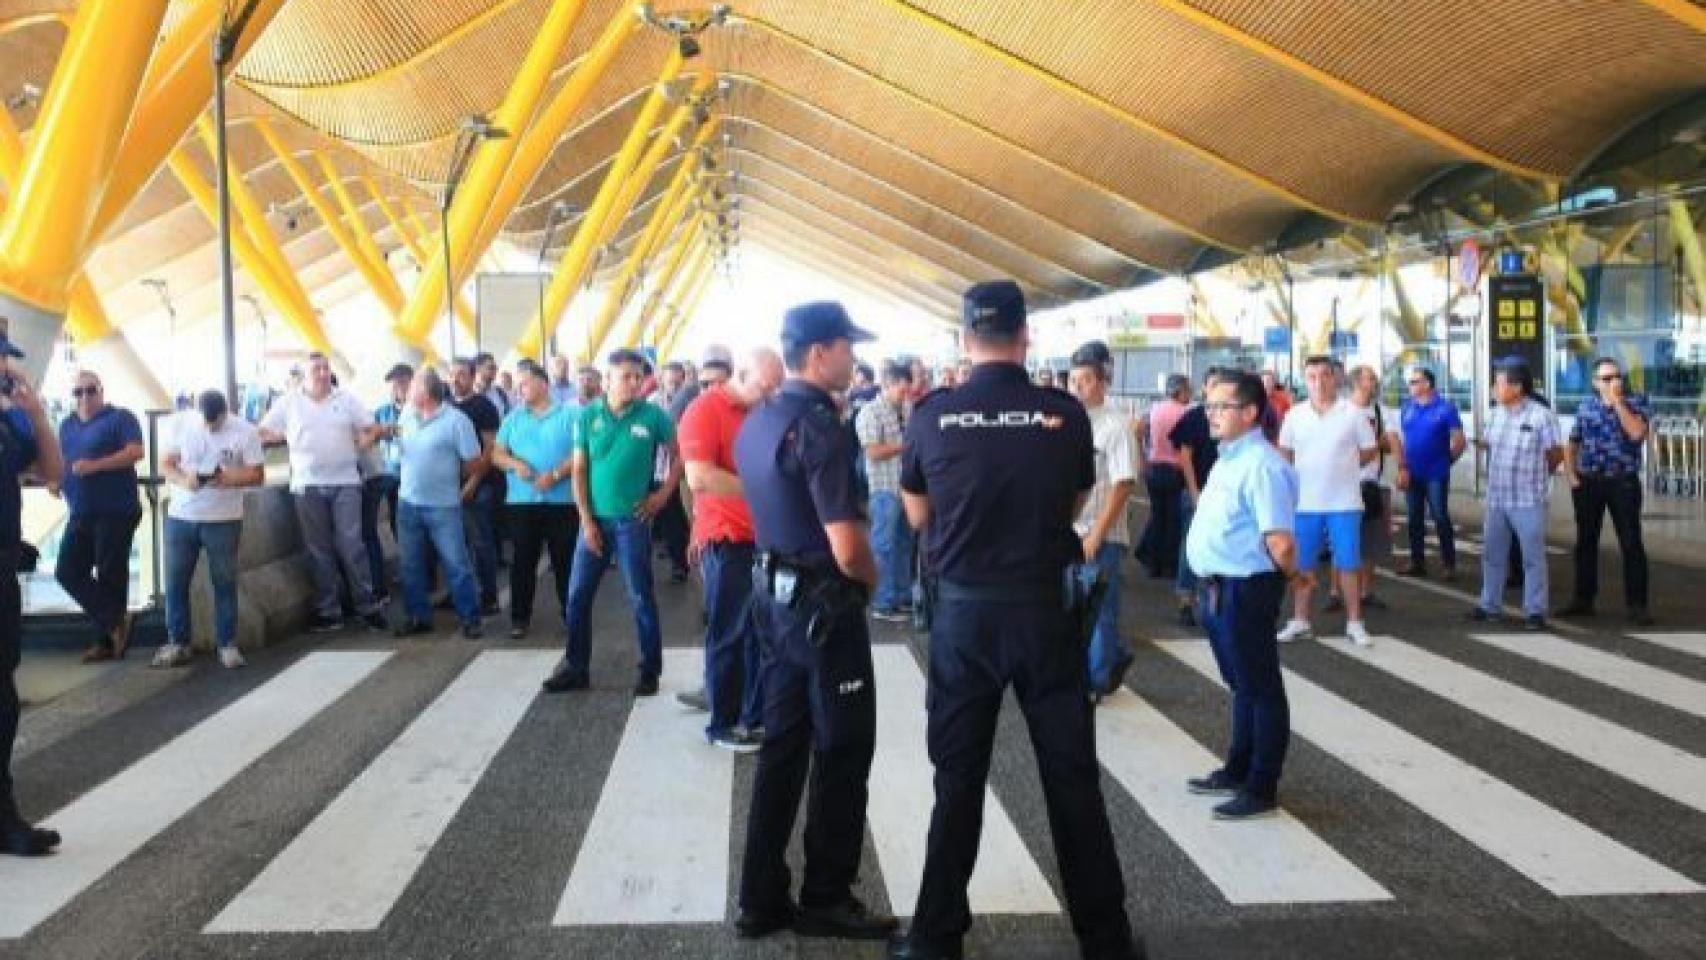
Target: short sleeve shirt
column 1325, row 449
column 708, row 428
column 1517, row 443
column 621, row 453
column 1163, row 417
column 433, row 451
column 390, row 454
column 321, row 435
column 1192, row 431
column 1378, row 424
column 543, row 441
column 1427, row 430
column 1606, row 450
column 484, row 415
column 202, row 451
column 1116, row 462
column 1252, row 492
column 106, row 433
column 879, row 422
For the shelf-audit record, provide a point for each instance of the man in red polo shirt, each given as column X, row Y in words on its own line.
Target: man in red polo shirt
column 723, row 544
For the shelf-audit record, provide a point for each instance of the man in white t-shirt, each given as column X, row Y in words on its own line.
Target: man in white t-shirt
column 1329, row 442
column 327, row 430
column 209, row 457
column 1101, row 523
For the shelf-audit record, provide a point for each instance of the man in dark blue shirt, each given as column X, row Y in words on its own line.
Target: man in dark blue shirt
column 813, row 579
column 27, row 443
column 995, row 471
column 102, row 444
column 1603, row 463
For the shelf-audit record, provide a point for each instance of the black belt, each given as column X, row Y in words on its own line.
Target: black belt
column 1217, row 580
column 1017, row 591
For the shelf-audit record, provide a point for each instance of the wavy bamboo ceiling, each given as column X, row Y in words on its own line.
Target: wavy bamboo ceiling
column 915, row 145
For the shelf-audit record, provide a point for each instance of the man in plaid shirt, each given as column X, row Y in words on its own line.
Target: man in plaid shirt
column 879, row 426
column 1523, row 449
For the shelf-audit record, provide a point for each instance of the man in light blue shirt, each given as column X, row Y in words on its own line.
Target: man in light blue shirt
column 1242, row 547
column 536, row 449
column 436, row 443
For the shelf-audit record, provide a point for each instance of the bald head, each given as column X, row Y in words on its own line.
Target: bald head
column 758, row 375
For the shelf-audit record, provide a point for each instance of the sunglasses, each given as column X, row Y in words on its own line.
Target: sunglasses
column 1610, row 378
column 85, row 392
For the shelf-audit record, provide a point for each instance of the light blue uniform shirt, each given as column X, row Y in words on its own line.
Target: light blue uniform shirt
column 1251, row 491
column 544, row 442
column 433, row 452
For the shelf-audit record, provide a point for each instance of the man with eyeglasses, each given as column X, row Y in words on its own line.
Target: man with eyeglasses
column 1242, row 548
column 1603, row 464
column 102, row 445
column 1432, row 440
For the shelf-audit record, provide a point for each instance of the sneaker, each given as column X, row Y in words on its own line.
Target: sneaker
column 171, row 655
column 1295, row 630
column 1357, row 633
column 1335, row 604
column 890, row 615
column 412, row 628
column 324, row 624
column 737, row 741
column 471, row 630
column 1217, row 784
column 1577, row 608
column 694, row 700
column 518, row 630
column 646, row 686
column 1246, row 806
column 230, row 658
column 1534, row 623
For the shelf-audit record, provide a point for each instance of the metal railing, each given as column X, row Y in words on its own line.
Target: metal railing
column 1676, row 457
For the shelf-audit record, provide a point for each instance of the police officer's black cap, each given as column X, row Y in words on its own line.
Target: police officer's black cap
column 824, row 321
column 995, row 306
column 9, row 349
column 1092, row 354
column 401, row 371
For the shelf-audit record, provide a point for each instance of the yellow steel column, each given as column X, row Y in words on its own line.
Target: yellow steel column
column 179, row 86
column 660, row 223
column 673, row 314
column 252, row 218
column 69, row 157
column 684, row 316
column 387, row 289
column 579, row 253
column 540, row 142
column 490, row 165
column 464, row 312
column 640, row 175
column 685, row 244
column 300, row 315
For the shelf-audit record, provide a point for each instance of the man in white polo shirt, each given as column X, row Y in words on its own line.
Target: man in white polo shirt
column 327, row 429
column 1329, row 441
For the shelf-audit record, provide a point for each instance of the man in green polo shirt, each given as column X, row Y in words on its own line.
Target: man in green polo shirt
column 616, row 448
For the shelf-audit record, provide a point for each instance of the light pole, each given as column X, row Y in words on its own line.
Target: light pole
column 224, row 51
column 159, row 287
column 475, row 129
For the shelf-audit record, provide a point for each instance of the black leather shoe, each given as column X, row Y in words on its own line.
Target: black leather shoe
column 20, row 839
column 564, row 679
column 646, row 686
column 412, row 628
column 901, row 948
column 753, row 924
column 847, row 920
column 1217, row 784
column 1577, row 608
column 1246, row 806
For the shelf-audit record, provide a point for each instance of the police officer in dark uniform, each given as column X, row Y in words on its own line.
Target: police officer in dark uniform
column 27, row 442
column 997, row 470
column 813, row 579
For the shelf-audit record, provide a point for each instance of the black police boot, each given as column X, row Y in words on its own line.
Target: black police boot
column 21, row 839
column 754, row 924
column 646, row 686
column 564, row 679
column 901, row 948
column 847, row 920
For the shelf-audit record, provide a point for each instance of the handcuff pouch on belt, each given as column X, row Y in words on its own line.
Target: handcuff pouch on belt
column 823, row 595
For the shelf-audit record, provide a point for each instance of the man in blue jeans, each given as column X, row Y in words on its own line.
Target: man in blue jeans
column 1433, row 439
column 616, row 449
column 1101, row 524
column 381, row 469
column 209, row 458
column 879, row 426
column 438, row 447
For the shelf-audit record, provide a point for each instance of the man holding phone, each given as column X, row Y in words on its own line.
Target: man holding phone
column 1603, row 464
column 27, row 445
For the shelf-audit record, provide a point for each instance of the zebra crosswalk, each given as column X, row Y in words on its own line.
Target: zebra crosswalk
column 660, row 847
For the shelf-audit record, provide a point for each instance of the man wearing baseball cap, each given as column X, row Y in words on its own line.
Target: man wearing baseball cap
column 995, row 472
column 814, row 577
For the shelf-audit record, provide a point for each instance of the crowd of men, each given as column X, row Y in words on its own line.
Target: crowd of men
column 981, row 503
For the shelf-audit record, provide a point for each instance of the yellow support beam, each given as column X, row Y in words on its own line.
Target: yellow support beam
column 251, row 218
column 579, row 254
column 464, row 312
column 684, row 318
column 656, row 317
column 388, row 290
column 683, row 245
column 73, row 147
column 298, row 314
column 1688, row 11
column 702, row 269
column 178, row 89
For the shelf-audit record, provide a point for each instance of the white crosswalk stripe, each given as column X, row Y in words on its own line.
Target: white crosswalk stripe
column 1006, row 879
column 112, row 821
column 346, row 870
column 1689, row 643
column 1621, row 673
column 1556, row 851
column 657, row 850
column 1660, row 767
column 1269, row 861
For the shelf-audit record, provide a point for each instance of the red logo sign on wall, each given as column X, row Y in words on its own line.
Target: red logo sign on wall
column 1165, row 321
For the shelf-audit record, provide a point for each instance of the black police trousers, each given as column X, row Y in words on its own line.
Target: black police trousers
column 820, row 714
column 981, row 640
column 11, row 645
